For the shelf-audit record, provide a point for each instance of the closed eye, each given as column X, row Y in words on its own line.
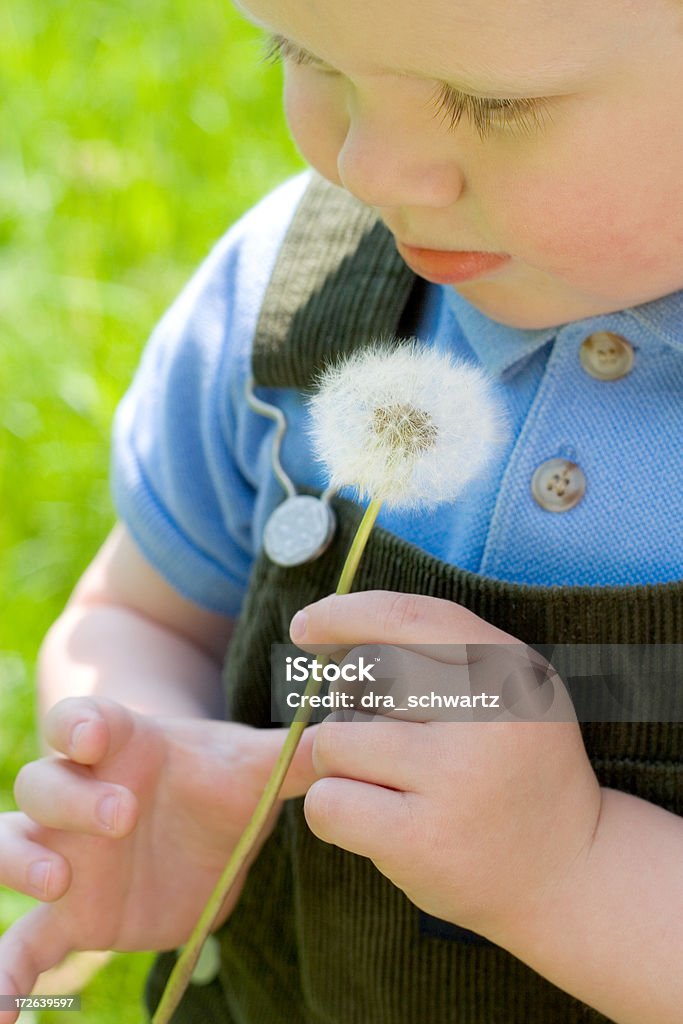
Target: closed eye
column 527, row 114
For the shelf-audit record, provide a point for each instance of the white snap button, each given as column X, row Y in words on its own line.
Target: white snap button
column 606, row 356
column 558, row 485
column 298, row 530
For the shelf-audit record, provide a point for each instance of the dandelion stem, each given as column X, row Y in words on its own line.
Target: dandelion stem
column 358, row 547
column 181, row 974
column 187, row 960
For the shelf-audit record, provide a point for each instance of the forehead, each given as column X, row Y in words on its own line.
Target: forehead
column 495, row 39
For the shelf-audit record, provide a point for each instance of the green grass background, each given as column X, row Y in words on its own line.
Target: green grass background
column 131, row 136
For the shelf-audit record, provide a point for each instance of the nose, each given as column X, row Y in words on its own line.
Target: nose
column 391, row 163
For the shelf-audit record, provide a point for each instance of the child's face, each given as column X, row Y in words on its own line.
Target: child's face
column 587, row 203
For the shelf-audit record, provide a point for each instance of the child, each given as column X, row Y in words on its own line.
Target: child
column 526, row 160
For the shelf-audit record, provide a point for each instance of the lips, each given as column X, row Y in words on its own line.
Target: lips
column 449, row 266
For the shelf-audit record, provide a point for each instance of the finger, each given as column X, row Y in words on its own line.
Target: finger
column 402, row 683
column 33, row 945
column 28, row 867
column 497, row 682
column 59, row 794
column 378, row 616
column 528, row 687
column 363, row 819
column 301, row 773
column 378, row 751
column 87, row 729
column 492, row 681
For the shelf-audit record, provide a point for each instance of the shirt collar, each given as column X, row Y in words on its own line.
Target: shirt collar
column 499, row 347
column 664, row 317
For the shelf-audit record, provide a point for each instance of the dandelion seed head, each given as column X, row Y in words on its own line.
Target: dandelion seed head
column 403, row 429
column 404, row 424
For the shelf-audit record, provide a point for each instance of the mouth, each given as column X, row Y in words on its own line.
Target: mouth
column 450, row 266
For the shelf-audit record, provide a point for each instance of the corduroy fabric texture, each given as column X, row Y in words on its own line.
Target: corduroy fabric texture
column 320, row 936
column 310, row 314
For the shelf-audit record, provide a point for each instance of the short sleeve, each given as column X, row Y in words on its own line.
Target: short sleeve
column 178, row 482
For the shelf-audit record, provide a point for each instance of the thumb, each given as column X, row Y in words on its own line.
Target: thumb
column 34, row 944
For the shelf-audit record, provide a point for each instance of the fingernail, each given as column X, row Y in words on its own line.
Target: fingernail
column 107, row 810
column 297, row 628
column 76, row 734
column 39, row 876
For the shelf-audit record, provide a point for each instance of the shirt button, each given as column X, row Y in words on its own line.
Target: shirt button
column 558, row 485
column 606, row 356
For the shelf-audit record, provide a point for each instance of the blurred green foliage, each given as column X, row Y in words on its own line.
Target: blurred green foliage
column 131, row 136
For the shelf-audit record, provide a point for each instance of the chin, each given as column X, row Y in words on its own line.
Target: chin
column 532, row 310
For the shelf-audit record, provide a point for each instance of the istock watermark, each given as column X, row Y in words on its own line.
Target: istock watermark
column 483, row 682
column 299, row 670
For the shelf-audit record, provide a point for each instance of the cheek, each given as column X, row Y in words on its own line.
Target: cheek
column 317, row 122
column 560, row 223
column 597, row 211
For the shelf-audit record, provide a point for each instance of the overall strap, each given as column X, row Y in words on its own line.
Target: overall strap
column 338, row 283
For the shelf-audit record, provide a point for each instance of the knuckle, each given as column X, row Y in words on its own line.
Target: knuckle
column 409, row 827
column 402, row 615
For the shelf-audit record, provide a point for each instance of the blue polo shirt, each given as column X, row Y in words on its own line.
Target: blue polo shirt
column 192, row 474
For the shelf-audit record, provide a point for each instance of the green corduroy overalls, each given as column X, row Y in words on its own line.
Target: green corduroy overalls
column 320, row 936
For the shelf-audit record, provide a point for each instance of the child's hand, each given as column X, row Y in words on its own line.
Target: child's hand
column 477, row 822
column 183, row 791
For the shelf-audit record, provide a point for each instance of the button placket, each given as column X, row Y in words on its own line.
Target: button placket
column 624, row 439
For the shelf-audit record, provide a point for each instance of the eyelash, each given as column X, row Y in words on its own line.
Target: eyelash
column 526, row 115
column 277, row 48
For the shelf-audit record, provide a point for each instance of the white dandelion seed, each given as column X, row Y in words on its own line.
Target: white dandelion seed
column 404, row 425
